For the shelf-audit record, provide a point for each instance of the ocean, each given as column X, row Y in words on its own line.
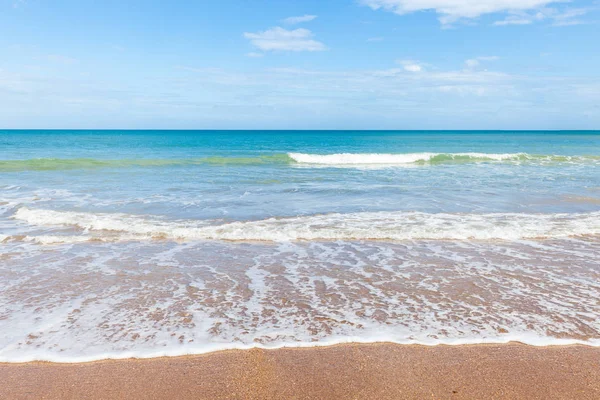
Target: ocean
column 118, row 244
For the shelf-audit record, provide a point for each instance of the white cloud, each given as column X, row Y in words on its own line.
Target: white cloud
column 472, row 63
column 285, row 40
column 452, row 10
column 475, row 62
column 563, row 17
column 569, row 17
column 569, row 23
column 253, row 54
column 411, row 66
column 299, row 19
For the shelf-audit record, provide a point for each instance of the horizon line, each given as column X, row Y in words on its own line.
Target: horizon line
column 295, row 130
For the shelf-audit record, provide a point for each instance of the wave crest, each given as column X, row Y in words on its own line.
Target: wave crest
column 429, row 158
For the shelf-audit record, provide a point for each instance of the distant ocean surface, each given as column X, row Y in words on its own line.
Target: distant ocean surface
column 121, row 244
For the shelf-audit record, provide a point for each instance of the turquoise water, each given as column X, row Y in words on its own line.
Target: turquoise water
column 214, row 216
column 249, row 175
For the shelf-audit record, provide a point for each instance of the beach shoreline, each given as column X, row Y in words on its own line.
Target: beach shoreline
column 378, row 370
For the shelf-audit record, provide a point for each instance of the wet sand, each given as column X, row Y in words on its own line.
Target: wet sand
column 353, row 371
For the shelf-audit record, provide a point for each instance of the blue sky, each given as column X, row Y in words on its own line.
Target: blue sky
column 337, row 64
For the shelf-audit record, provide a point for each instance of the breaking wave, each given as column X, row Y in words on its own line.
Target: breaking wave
column 341, row 159
column 431, row 158
column 352, row 226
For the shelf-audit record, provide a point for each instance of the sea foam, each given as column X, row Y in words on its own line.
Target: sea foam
column 409, row 158
column 351, row 226
column 346, row 159
column 120, row 300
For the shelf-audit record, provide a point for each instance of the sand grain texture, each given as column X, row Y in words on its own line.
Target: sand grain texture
column 353, row 371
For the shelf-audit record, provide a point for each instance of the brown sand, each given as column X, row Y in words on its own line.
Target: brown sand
column 356, row 371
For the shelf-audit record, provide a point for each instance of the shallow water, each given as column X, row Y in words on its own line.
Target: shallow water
column 117, row 244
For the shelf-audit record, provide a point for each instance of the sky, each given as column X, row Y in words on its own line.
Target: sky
column 309, row 64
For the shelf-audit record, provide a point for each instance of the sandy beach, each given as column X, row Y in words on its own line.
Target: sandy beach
column 342, row 199
column 353, row 371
